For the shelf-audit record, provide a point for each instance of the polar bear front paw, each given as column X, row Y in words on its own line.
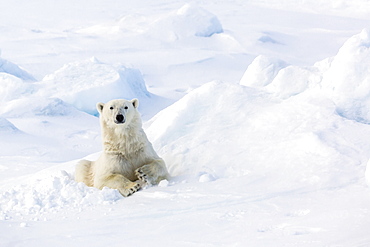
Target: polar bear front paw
column 141, row 175
column 129, row 190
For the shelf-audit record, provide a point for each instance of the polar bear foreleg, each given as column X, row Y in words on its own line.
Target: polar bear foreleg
column 125, row 186
column 153, row 172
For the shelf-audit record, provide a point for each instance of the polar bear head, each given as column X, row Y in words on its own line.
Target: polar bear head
column 118, row 112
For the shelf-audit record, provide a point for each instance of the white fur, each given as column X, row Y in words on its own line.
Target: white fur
column 128, row 160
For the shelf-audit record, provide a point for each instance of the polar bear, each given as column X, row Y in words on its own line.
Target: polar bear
column 128, row 160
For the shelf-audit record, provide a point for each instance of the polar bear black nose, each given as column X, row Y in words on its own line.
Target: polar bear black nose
column 120, row 118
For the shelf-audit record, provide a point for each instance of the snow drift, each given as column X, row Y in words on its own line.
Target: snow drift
column 15, row 70
column 76, row 85
column 343, row 78
column 262, row 71
column 6, row 126
column 83, row 84
column 37, row 106
column 348, row 78
column 12, row 87
column 264, row 136
column 293, row 80
column 242, row 133
column 52, row 194
column 186, row 22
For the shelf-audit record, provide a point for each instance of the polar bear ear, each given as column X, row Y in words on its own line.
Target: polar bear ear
column 99, row 107
column 135, row 103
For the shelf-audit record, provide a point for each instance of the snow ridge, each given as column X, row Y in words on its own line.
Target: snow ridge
column 15, row 70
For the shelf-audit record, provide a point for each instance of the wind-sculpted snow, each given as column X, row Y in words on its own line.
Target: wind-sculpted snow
column 83, row 84
column 277, row 77
column 246, row 131
column 13, row 87
column 52, row 193
column 38, row 106
column 15, row 70
column 343, row 78
column 262, row 71
column 187, row 21
column 6, row 126
column 347, row 80
column 76, row 85
column 293, row 80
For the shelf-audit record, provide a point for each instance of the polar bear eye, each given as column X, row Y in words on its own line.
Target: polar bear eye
column 126, row 107
column 111, row 107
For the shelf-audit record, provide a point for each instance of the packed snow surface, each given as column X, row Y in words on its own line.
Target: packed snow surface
column 260, row 110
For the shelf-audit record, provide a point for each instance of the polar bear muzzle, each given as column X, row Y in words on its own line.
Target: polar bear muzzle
column 120, row 119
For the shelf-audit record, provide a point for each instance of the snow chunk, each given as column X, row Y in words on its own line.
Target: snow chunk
column 85, row 83
column 23, row 224
column 262, row 71
column 15, row 70
column 206, row 177
column 163, row 183
column 347, row 81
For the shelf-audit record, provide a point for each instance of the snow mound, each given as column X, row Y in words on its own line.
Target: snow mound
column 347, row 80
column 293, row 80
column 188, row 21
column 15, row 70
column 83, row 84
column 262, row 71
column 12, row 87
column 265, row 137
column 6, row 126
column 52, row 194
column 277, row 77
column 37, row 106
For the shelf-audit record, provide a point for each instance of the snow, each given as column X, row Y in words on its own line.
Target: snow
column 347, row 78
column 186, row 22
column 6, row 126
column 52, row 194
column 85, row 83
column 12, row 69
column 260, row 110
column 262, row 71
